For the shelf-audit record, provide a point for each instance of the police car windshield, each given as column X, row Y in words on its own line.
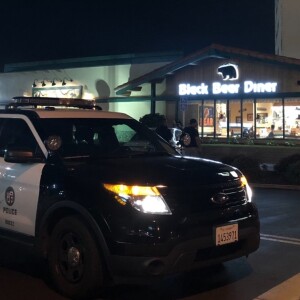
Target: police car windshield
column 102, row 137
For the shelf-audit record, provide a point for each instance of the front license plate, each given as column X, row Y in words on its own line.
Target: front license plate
column 227, row 234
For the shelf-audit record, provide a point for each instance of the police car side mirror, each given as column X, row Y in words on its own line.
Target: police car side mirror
column 21, row 156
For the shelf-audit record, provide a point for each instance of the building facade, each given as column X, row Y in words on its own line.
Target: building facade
column 287, row 23
column 231, row 92
column 88, row 78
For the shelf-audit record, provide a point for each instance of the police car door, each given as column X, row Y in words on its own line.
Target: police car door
column 19, row 182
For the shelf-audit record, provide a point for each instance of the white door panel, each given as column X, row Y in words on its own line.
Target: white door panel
column 19, row 192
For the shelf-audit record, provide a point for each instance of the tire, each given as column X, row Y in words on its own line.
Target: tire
column 74, row 261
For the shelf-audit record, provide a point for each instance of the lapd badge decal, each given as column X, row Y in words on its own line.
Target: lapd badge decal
column 10, row 196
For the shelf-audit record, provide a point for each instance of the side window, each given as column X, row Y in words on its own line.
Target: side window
column 107, row 139
column 15, row 134
column 124, row 133
column 133, row 140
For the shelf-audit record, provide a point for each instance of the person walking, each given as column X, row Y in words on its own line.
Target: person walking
column 192, row 146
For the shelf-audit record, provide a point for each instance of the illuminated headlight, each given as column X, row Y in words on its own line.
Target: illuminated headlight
column 145, row 199
column 248, row 189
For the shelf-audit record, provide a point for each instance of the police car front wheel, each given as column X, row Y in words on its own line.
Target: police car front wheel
column 74, row 259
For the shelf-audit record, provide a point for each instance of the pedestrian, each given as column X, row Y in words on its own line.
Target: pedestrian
column 163, row 130
column 271, row 133
column 193, row 146
column 178, row 124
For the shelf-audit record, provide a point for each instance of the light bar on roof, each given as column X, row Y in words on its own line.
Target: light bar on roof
column 47, row 101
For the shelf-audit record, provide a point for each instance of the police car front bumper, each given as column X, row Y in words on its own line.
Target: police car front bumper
column 185, row 256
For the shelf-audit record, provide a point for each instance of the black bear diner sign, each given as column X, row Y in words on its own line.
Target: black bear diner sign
column 227, row 72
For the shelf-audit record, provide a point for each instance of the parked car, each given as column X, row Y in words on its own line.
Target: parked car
column 104, row 200
column 176, row 133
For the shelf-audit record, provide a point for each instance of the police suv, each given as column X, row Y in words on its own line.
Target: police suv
column 104, row 200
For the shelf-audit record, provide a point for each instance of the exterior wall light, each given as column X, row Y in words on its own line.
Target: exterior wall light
column 34, row 84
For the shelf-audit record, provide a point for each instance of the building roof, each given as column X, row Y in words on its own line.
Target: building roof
column 213, row 51
column 95, row 61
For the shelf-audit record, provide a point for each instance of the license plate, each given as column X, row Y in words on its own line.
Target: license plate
column 227, row 234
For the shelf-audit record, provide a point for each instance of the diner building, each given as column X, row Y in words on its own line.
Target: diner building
column 93, row 78
column 231, row 92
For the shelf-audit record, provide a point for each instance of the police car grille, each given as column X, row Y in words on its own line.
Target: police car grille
column 199, row 198
column 233, row 190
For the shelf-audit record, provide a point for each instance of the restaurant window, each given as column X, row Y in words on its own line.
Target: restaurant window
column 248, row 118
column 270, row 112
column 235, row 118
column 292, row 117
column 206, row 118
column 221, row 118
column 191, row 112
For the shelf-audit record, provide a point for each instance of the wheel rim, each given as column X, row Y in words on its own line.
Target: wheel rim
column 71, row 257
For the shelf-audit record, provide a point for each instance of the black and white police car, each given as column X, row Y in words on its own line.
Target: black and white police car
column 104, row 200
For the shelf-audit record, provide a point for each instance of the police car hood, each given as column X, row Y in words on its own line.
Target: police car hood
column 156, row 170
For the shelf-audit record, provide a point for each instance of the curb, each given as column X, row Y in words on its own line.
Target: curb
column 275, row 186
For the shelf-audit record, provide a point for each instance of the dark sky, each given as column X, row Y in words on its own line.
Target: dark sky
column 44, row 30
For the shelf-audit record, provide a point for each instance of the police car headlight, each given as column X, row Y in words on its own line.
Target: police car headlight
column 146, row 199
column 248, row 189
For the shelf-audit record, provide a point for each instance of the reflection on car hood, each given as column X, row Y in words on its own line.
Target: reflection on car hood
column 157, row 170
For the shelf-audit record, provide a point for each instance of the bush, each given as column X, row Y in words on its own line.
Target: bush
column 247, row 165
column 233, row 140
column 292, row 172
column 271, row 143
column 227, row 160
column 284, row 163
column 213, row 141
column 152, row 120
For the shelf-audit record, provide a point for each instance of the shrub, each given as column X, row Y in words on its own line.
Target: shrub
column 271, row 143
column 284, row 163
column 289, row 144
column 249, row 142
column 247, row 165
column 213, row 141
column 227, row 160
column 292, row 172
column 152, row 120
column 233, row 140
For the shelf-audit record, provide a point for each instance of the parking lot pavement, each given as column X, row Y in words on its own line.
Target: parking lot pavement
column 288, row 290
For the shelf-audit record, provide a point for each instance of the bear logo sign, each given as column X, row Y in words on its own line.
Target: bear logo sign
column 229, row 72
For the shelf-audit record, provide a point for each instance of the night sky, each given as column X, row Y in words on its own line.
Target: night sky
column 47, row 30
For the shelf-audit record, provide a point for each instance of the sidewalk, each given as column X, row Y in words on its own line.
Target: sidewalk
column 275, row 186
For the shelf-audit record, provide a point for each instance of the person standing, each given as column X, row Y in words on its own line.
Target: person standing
column 163, row 130
column 193, row 147
column 271, row 133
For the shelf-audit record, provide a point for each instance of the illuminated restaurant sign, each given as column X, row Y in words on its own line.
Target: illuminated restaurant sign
column 217, row 88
